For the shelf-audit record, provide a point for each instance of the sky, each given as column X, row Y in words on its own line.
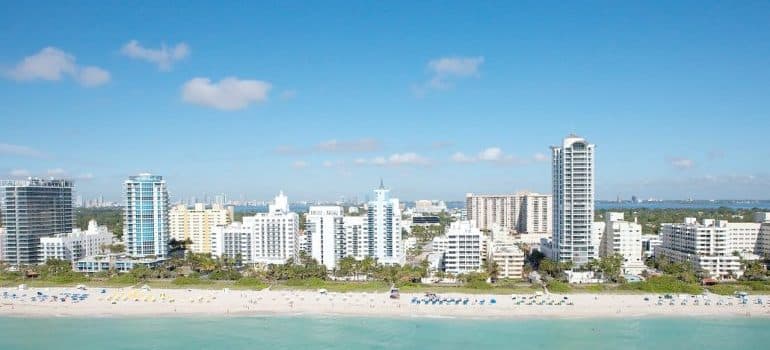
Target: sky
column 321, row 99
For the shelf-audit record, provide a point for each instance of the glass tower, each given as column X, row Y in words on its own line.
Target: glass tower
column 31, row 209
column 146, row 224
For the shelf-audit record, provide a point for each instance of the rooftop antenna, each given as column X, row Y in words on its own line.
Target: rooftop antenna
column 382, row 186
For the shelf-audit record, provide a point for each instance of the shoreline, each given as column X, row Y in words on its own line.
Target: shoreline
column 170, row 303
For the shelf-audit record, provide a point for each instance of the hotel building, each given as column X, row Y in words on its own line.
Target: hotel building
column 382, row 228
column 77, row 244
column 265, row 238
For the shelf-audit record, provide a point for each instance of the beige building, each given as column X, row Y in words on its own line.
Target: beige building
column 196, row 223
column 509, row 258
column 521, row 212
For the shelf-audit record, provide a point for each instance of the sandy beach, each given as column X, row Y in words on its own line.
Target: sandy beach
column 127, row 302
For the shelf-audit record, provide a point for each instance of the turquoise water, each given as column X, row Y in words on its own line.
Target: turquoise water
column 381, row 333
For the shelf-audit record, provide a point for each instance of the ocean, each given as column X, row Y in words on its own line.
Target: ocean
column 304, row 332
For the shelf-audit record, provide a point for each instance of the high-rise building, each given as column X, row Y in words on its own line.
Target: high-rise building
column 195, row 224
column 146, row 225
column 326, row 234
column 32, row 209
column 623, row 238
column 573, row 201
column 522, row 212
column 265, row 238
column 382, row 228
column 463, row 250
column 77, row 244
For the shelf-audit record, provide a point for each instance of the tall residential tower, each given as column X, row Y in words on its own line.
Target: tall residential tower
column 573, row 201
column 32, row 209
column 146, row 224
column 382, row 228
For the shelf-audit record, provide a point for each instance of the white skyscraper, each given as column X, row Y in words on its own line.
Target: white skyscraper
column 326, row 234
column 146, row 225
column 573, row 201
column 382, row 228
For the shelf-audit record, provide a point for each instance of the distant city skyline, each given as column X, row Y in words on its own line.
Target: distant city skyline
column 323, row 100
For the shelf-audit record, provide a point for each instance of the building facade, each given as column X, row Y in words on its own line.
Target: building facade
column 463, row 251
column 32, row 209
column 705, row 245
column 326, row 234
column 77, row 244
column 573, row 200
column 195, row 224
column 265, row 238
column 625, row 239
column 508, row 257
column 146, row 228
column 382, row 228
column 522, row 212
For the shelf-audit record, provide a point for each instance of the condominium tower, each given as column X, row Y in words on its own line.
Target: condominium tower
column 522, row 212
column 32, row 209
column 573, row 201
column 195, row 224
column 146, row 224
column 382, row 228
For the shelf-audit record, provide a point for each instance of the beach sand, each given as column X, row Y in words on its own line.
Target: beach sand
column 127, row 302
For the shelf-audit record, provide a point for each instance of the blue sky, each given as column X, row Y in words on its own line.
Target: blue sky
column 321, row 99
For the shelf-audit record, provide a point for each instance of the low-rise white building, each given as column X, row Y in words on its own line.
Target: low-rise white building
column 625, row 239
column 77, row 244
column 649, row 243
column 464, row 248
column 706, row 245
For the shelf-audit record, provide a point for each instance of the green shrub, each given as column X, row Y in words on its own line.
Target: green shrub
column 663, row 284
column 556, row 286
column 190, row 280
column 251, row 283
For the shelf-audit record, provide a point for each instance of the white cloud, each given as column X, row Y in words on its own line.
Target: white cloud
column 360, row 145
column 445, row 71
column 681, row 163
column 19, row 173
column 300, row 164
column 56, row 172
column 539, row 157
column 93, row 76
column 85, row 177
column 460, row 157
column 228, row 94
column 331, row 164
column 491, row 154
column 495, row 155
column 164, row 57
column 395, row 159
column 288, row 94
column 53, row 64
column 22, row 151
